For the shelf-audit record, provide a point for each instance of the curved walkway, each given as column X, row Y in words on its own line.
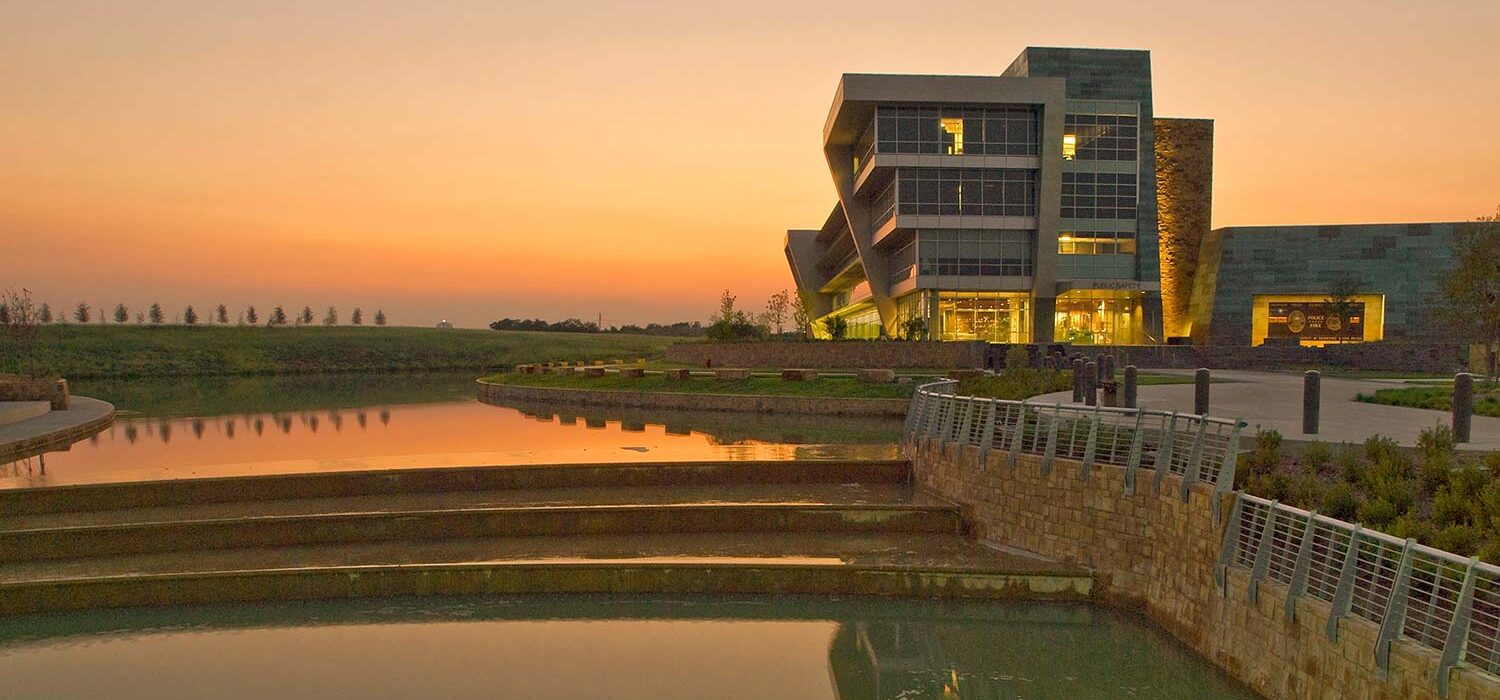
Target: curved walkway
column 55, row 429
column 1273, row 400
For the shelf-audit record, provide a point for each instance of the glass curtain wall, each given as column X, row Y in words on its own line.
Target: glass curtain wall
column 1098, row 317
column 999, row 317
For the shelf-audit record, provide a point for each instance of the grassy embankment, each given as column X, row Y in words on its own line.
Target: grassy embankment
column 1438, row 398
column 823, row 387
column 1435, row 496
column 77, row 351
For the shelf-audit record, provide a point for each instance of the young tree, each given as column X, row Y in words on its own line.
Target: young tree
column 122, row 313
column 1471, row 293
column 140, row 317
column 776, row 310
column 800, row 317
column 278, row 317
column 157, row 317
column 221, row 314
column 45, row 315
column 251, row 317
column 1340, row 299
column 380, row 317
column 726, row 307
column 305, row 317
column 357, row 317
column 332, row 317
column 20, row 321
column 189, row 316
column 836, row 326
column 81, row 312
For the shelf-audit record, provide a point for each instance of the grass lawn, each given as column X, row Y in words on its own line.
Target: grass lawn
column 823, row 387
column 134, row 351
column 1438, row 398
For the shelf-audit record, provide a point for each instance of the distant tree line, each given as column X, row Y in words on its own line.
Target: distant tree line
column 156, row 315
column 574, row 325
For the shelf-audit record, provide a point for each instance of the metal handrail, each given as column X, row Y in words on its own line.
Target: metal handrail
column 1442, row 601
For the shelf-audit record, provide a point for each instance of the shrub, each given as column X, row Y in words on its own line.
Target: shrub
column 1350, row 463
column 1377, row 512
column 1492, row 464
column 1275, row 486
column 1016, row 358
column 1267, row 453
column 1339, row 501
column 836, row 326
column 1459, row 539
column 1316, row 456
column 1378, row 448
column 1306, row 491
column 1409, row 525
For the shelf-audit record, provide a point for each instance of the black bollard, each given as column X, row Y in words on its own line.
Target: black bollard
column 1200, row 392
column 1077, row 379
column 1091, row 391
column 1312, row 395
column 1463, row 406
column 1108, row 370
column 1130, row 380
column 1099, row 369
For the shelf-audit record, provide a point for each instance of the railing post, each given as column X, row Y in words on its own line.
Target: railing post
column 1231, row 544
column 1195, row 459
column 1137, row 445
column 987, row 436
column 1395, row 609
column 1343, row 595
column 1018, row 436
column 1225, row 482
column 1164, row 452
column 961, row 436
column 1263, row 552
column 1092, row 447
column 1458, row 632
column 913, row 411
column 1051, row 452
column 1298, row 586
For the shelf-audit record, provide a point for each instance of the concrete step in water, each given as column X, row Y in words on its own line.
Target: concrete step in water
column 188, row 492
column 764, row 563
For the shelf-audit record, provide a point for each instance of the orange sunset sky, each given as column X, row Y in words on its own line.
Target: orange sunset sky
column 474, row 160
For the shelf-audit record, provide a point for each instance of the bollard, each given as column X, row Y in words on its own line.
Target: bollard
column 1099, row 377
column 1463, row 406
column 1200, row 391
column 1091, row 388
column 1108, row 370
column 1130, row 380
column 1312, row 397
column 1077, row 379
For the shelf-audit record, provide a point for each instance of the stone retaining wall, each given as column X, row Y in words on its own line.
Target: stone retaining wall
column 824, row 355
column 1158, row 553
column 1440, row 358
column 14, row 387
column 890, row 408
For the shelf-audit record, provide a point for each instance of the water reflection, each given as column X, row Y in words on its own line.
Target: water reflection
column 618, row 647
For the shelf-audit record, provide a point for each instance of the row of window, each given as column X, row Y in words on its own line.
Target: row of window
column 1100, row 137
column 1096, row 243
column 966, row 192
column 974, row 252
column 955, row 131
column 1098, row 195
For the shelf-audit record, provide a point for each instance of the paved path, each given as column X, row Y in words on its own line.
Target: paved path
column 1273, row 400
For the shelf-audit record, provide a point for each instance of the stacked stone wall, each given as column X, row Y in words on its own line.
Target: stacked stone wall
column 1158, row 553
column 824, row 355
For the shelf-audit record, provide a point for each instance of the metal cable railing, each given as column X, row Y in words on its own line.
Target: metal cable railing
column 1440, row 600
column 1437, row 599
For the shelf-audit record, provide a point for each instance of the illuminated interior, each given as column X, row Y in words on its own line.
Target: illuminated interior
column 1096, row 243
column 1367, row 314
column 954, row 127
column 1070, row 146
column 999, row 317
column 1098, row 317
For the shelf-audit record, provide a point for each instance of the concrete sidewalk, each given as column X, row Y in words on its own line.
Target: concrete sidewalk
column 1273, row 400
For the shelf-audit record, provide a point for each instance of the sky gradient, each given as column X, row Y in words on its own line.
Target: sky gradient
column 473, row 160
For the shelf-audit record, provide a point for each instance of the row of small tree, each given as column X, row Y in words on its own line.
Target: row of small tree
column 784, row 315
column 18, row 306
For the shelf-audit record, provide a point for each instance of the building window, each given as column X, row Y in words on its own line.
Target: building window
column 974, row 252
column 1098, row 317
column 952, row 130
column 999, row 317
column 1100, row 137
column 967, row 192
column 903, row 262
column 883, row 205
column 1096, row 243
column 1098, row 195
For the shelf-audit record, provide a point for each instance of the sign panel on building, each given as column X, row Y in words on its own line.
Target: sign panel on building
column 1311, row 320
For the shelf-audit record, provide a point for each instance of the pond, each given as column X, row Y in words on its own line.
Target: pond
column 618, row 647
column 220, row 426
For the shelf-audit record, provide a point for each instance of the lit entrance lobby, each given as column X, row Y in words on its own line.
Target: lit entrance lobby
column 1099, row 317
column 999, row 317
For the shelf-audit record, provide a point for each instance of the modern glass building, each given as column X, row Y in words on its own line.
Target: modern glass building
column 1014, row 208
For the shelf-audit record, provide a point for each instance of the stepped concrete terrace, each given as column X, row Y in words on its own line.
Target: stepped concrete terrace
column 821, row 527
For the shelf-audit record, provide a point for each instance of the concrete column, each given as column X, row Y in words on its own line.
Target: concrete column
column 1077, row 379
column 1200, row 391
column 1463, row 406
column 1042, row 311
column 1312, row 396
column 1130, row 380
column 1091, row 390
